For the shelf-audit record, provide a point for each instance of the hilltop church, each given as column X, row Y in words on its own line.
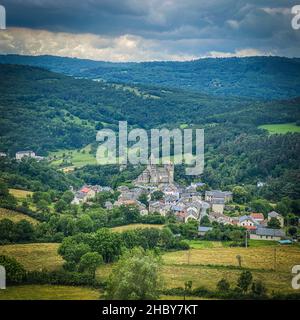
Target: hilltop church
column 156, row 175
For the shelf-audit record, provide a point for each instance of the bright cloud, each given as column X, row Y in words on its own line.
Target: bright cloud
column 88, row 46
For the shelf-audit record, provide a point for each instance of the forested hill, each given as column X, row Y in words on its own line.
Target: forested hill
column 46, row 111
column 256, row 77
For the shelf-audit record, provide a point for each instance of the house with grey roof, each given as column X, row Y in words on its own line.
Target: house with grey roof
column 268, row 234
column 218, row 194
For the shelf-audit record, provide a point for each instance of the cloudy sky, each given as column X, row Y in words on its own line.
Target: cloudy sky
column 145, row 30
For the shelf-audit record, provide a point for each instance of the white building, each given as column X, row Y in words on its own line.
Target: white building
column 22, row 154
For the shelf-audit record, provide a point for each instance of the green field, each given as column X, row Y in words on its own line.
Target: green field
column 281, row 128
column 16, row 216
column 77, row 158
column 49, row 292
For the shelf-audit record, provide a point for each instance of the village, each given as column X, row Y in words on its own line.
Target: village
column 165, row 197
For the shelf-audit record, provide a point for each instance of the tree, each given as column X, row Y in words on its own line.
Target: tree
column 157, row 195
column 60, row 205
column 129, row 213
column 67, row 196
column 135, row 277
column 143, row 198
column 85, row 223
column 24, row 230
column 223, row 285
column 4, row 192
column 261, row 205
column 274, row 223
column 6, row 199
column 72, row 251
column 15, row 272
column 7, row 230
column 89, row 262
column 187, row 287
column 107, row 244
column 240, row 194
column 42, row 205
column 258, row 289
column 244, row 281
column 292, row 231
column 205, row 221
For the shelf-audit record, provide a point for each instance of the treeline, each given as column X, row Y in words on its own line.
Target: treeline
column 28, row 174
column 262, row 77
column 61, row 112
column 109, row 245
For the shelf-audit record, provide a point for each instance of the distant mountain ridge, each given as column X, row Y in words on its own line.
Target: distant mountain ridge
column 254, row 77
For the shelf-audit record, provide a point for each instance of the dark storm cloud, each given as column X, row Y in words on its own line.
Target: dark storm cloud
column 194, row 27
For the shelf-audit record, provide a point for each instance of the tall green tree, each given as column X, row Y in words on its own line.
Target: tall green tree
column 90, row 262
column 135, row 277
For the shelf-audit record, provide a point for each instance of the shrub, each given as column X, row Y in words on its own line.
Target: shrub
column 15, row 272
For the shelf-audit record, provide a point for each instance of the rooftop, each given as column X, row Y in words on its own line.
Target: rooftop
column 204, row 229
column 270, row 232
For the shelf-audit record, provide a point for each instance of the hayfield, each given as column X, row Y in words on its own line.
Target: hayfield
column 35, row 256
column 20, row 194
column 136, row 226
column 204, row 267
column 207, row 265
column 16, row 216
column 278, row 257
column 49, row 292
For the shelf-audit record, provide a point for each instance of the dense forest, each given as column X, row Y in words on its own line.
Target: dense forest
column 258, row 77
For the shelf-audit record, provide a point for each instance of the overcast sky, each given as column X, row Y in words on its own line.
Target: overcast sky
column 145, row 30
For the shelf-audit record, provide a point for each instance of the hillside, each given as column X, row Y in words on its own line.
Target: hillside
column 257, row 77
column 46, row 112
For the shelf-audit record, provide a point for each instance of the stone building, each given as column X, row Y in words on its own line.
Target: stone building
column 156, row 175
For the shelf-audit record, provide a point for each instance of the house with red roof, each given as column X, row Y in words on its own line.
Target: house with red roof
column 83, row 195
column 258, row 217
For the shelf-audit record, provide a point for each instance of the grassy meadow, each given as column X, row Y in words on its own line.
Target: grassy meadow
column 49, row 292
column 77, row 158
column 204, row 265
column 16, row 216
column 20, row 194
column 281, row 128
column 34, row 256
